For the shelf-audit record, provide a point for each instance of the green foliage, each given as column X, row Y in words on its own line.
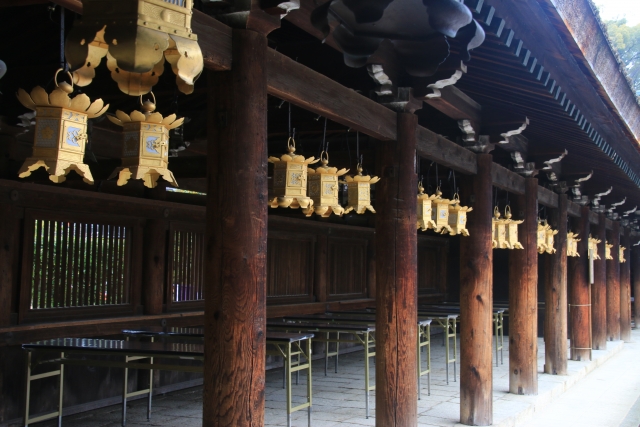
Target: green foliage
column 626, row 40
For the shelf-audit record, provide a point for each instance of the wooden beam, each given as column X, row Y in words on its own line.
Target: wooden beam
column 594, row 218
column 599, row 290
column 613, row 284
column 580, row 292
column 444, row 152
column 476, row 301
column 555, row 290
column 547, row 197
column 236, row 236
column 507, row 180
column 396, row 279
column 523, row 297
column 609, row 224
column 457, row 105
column 573, row 209
column 625, row 288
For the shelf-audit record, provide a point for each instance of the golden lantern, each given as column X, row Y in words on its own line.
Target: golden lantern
column 551, row 240
column 145, row 152
column 290, row 179
column 621, row 254
column 61, row 130
column 440, row 212
column 607, row 251
column 511, row 230
column 323, row 189
column 359, row 192
column 424, row 215
column 498, row 231
column 542, row 236
column 136, row 36
column 458, row 217
column 572, row 244
column 592, row 246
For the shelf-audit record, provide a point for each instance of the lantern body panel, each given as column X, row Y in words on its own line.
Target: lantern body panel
column 572, row 245
column 512, row 234
column 500, row 235
column 592, row 246
column 289, row 188
column 440, row 215
column 458, row 219
column 323, row 190
column 359, row 197
column 59, row 145
column 550, row 240
column 621, row 254
column 607, row 251
column 424, row 213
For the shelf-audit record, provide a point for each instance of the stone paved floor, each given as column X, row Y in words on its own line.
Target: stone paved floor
column 339, row 400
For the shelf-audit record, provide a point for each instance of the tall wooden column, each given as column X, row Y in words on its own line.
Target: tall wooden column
column 154, row 254
column 599, row 289
column 236, row 233
column 625, row 289
column 580, row 314
column 476, row 302
column 555, row 289
column 613, row 285
column 635, row 270
column 396, row 280
column 523, row 296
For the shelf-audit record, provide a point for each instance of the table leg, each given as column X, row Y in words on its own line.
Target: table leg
column 61, row 394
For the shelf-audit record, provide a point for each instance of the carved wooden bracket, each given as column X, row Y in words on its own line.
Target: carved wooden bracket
column 262, row 16
column 481, row 144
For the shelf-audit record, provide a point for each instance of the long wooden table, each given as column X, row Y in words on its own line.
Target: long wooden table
column 363, row 334
column 140, row 355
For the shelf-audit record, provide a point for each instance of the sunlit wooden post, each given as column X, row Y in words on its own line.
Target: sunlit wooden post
column 599, row 289
column 580, row 314
column 476, row 301
column 613, row 285
column 523, row 296
column 555, row 288
column 396, row 279
column 236, row 238
column 625, row 288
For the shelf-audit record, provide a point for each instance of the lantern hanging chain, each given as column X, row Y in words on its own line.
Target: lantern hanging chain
column 346, row 136
column 429, row 177
column 358, row 156
column 325, row 143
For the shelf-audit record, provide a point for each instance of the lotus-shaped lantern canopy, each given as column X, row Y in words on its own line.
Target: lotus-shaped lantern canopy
column 572, row 244
column 323, row 189
column 61, row 131
column 607, row 251
column 136, row 36
column 458, row 217
column 593, row 247
column 424, row 215
column 146, row 145
column 621, row 254
column 290, row 179
column 359, row 191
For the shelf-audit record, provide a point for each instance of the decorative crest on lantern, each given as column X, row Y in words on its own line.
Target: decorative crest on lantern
column 323, row 189
column 290, row 179
column 607, row 251
column 359, row 191
column 136, row 36
column 572, row 244
column 61, row 130
column 145, row 152
column 593, row 247
column 458, row 217
column 424, row 216
column 621, row 254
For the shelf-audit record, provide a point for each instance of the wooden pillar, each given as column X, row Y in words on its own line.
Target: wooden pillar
column 10, row 232
column 613, row 285
column 153, row 278
column 321, row 268
column 580, row 296
column 476, row 302
column 555, row 288
column 236, row 233
column 635, row 270
column 396, row 280
column 625, row 289
column 599, row 290
column 523, row 296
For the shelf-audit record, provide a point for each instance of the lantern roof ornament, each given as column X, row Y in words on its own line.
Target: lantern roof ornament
column 359, row 191
column 146, row 144
column 61, row 130
column 323, row 189
column 136, row 37
column 290, row 179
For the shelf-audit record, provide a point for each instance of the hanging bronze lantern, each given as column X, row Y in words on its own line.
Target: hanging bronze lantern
column 137, row 36
column 323, row 189
column 592, row 246
column 498, row 231
column 621, row 254
column 607, row 251
column 440, row 212
column 359, row 192
column 542, row 236
column 290, row 179
column 551, row 240
column 424, row 215
column 145, row 153
column 458, row 217
column 572, row 244
column 61, row 130
column 511, row 228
